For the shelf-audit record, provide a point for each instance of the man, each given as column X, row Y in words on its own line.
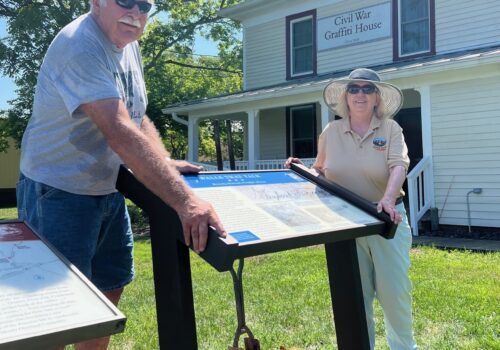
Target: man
column 88, row 118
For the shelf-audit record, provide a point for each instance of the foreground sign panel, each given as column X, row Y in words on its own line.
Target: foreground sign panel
column 256, row 207
column 269, row 211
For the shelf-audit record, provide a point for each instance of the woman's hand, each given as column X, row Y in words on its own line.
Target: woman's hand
column 291, row 160
column 389, row 206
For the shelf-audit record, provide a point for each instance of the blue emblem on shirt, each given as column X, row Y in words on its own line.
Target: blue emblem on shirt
column 379, row 143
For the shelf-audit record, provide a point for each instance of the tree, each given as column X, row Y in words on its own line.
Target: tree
column 169, row 84
column 172, row 74
column 31, row 26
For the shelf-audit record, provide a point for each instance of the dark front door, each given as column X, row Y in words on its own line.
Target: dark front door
column 301, row 131
column 410, row 120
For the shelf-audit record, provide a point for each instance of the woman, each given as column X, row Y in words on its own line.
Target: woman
column 366, row 153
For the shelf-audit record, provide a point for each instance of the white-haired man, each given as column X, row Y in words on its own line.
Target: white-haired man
column 88, row 118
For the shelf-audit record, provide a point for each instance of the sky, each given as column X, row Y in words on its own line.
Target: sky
column 7, row 86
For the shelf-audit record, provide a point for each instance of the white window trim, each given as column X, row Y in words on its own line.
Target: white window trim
column 400, row 31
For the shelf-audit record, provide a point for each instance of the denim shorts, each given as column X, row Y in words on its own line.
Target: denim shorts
column 92, row 232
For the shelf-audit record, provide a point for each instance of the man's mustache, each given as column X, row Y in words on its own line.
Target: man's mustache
column 130, row 21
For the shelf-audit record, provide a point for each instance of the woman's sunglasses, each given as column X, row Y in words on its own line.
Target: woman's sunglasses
column 366, row 89
column 144, row 6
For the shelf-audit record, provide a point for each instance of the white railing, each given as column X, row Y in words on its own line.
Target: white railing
column 206, row 166
column 265, row 164
column 238, row 165
column 419, row 191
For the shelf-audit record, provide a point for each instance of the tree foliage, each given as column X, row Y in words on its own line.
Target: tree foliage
column 31, row 26
column 173, row 73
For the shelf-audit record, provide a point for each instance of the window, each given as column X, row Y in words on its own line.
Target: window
column 414, row 28
column 301, row 131
column 301, row 45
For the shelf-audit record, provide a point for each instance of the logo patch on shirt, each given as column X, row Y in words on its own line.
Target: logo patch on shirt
column 380, row 144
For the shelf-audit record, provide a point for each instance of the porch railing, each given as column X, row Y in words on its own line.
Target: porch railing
column 262, row 164
column 419, row 192
column 265, row 164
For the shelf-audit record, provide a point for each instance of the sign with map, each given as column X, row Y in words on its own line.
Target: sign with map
column 267, row 211
column 262, row 206
column 44, row 300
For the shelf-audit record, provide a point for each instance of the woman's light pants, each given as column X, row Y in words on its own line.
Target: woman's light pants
column 383, row 265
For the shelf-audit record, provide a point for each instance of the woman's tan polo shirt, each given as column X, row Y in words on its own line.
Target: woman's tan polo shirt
column 361, row 164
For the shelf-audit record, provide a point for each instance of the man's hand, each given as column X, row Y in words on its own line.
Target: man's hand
column 187, row 168
column 196, row 216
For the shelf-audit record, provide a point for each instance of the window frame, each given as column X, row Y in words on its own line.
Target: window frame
column 290, row 20
column 396, row 20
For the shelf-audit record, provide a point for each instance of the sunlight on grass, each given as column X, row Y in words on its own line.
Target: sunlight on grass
column 8, row 213
column 456, row 298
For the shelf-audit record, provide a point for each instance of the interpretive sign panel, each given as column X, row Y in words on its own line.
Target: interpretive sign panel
column 261, row 206
column 267, row 211
column 45, row 301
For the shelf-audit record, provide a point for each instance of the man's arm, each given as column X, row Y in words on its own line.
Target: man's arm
column 151, row 132
column 150, row 165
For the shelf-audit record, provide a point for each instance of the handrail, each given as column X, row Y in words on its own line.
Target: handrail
column 419, row 167
column 419, row 191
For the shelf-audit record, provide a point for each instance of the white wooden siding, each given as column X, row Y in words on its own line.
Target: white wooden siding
column 349, row 57
column 265, row 49
column 466, row 151
column 462, row 24
column 272, row 134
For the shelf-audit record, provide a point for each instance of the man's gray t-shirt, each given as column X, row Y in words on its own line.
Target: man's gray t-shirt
column 61, row 146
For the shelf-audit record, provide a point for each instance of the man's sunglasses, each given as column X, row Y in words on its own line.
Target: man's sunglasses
column 366, row 89
column 144, row 6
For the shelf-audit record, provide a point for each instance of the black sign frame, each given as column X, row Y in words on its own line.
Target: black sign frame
column 172, row 271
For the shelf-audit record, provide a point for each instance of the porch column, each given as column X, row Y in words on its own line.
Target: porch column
column 253, row 138
column 193, row 139
column 325, row 114
column 425, row 111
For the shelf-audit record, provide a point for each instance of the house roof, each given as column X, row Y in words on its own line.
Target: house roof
column 396, row 70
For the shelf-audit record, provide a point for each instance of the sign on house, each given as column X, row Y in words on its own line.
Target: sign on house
column 354, row 27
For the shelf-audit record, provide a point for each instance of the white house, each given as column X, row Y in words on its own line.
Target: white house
column 444, row 54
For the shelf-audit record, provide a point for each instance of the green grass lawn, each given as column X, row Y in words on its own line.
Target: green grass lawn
column 287, row 301
column 8, row 213
column 456, row 301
